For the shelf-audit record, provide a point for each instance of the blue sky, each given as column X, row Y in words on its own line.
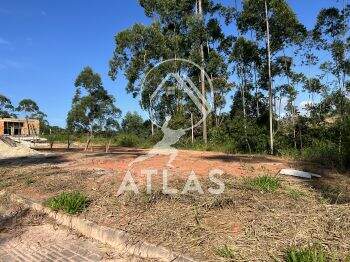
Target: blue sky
column 45, row 44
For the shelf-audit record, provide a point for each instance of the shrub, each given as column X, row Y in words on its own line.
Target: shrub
column 158, row 135
column 289, row 152
column 128, row 140
column 265, row 183
column 230, row 147
column 321, row 152
column 56, row 138
column 309, row 254
column 71, row 203
column 256, row 135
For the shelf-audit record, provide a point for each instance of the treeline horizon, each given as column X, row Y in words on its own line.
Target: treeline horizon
column 267, row 60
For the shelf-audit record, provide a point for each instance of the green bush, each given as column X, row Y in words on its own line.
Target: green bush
column 309, row 254
column 265, row 183
column 230, row 147
column 256, row 136
column 128, row 140
column 321, row 152
column 71, row 203
column 290, row 152
column 57, row 137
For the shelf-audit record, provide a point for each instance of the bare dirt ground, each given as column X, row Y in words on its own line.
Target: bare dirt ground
column 258, row 226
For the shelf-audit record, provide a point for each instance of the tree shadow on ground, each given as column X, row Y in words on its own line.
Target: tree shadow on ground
column 33, row 160
column 98, row 151
column 240, row 158
column 115, row 152
column 333, row 186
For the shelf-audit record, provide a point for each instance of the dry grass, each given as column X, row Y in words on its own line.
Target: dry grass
column 254, row 225
column 259, row 225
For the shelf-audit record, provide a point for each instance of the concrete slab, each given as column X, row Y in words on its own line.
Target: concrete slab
column 298, row 173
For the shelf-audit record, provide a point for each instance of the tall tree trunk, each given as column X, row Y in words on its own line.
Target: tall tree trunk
column 150, row 116
column 270, row 80
column 301, row 139
column 245, row 112
column 256, row 93
column 88, row 140
column 192, row 129
column 205, row 135
column 28, row 127
column 342, row 119
column 215, row 115
column 294, row 131
column 108, row 145
column 68, row 141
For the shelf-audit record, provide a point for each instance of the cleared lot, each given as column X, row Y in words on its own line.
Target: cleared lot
column 253, row 222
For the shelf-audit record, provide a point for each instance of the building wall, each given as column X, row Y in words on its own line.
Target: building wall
column 1, row 128
column 30, row 127
column 33, row 126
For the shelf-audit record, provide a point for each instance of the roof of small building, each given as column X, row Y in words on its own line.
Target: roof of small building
column 17, row 120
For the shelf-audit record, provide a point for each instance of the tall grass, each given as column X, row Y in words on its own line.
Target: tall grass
column 264, row 183
column 309, row 254
column 71, row 202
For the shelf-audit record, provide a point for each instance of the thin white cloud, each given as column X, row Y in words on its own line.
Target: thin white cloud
column 4, row 42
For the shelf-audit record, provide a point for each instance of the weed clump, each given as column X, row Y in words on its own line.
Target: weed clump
column 309, row 254
column 225, row 251
column 265, row 183
column 71, row 203
column 295, row 193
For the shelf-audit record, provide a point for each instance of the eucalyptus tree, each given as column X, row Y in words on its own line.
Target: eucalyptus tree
column 275, row 26
column 331, row 32
column 312, row 85
column 180, row 29
column 30, row 109
column 290, row 92
column 244, row 56
column 132, row 123
column 93, row 108
column 6, row 107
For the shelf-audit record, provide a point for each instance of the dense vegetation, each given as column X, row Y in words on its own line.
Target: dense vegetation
column 260, row 59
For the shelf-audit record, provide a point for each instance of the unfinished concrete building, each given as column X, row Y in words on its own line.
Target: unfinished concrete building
column 19, row 127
